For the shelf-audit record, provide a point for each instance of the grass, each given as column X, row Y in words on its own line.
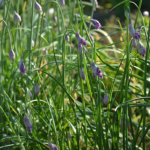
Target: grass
column 66, row 103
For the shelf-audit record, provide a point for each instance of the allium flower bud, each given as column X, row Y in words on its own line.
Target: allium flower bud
column 30, row 94
column 133, row 33
column 22, row 67
column 37, row 7
column 52, row 146
column 96, row 23
column 134, row 44
column 69, row 135
column 37, row 89
column 96, row 3
column 51, row 11
column 96, row 71
column 141, row 49
column 61, row 2
column 80, row 39
column 28, row 123
column 82, row 75
column 54, row 18
column 11, row 55
column 67, row 37
column 17, row 18
column 105, row 100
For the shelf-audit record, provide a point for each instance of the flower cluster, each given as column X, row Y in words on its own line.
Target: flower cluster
column 96, row 71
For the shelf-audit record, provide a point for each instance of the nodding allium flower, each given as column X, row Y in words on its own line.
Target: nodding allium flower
column 82, row 75
column 22, row 67
column 133, row 33
column 54, row 18
column 37, row 7
column 96, row 70
column 134, row 43
column 17, row 17
column 61, row 2
column 105, row 99
column 69, row 135
column 11, row 55
column 141, row 49
column 28, row 123
column 96, row 23
column 37, row 89
column 52, row 146
column 67, row 37
column 80, row 39
column 96, row 3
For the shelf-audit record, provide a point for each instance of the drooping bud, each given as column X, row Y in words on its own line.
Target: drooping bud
column 17, row 17
column 134, row 43
column 52, row 146
column 28, row 123
column 141, row 49
column 82, row 75
column 54, row 18
column 133, row 33
column 96, row 23
column 67, row 37
column 11, row 55
column 37, row 7
column 69, row 135
column 37, row 89
column 30, row 94
column 22, row 67
column 61, row 2
column 96, row 70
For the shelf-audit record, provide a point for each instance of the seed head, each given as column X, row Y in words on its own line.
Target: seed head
column 37, row 7
column 22, row 67
column 28, row 123
column 11, row 55
column 17, row 17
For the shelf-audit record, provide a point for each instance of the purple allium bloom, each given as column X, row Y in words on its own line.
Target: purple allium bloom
column 105, row 99
column 52, row 146
column 54, row 18
column 22, row 67
column 141, row 49
column 133, row 33
column 69, row 135
column 67, row 37
column 28, row 123
column 96, row 23
column 80, row 39
column 82, row 75
column 37, row 7
column 61, row 2
column 17, row 17
column 11, row 55
column 96, row 70
column 134, row 43
column 37, row 89
column 96, row 3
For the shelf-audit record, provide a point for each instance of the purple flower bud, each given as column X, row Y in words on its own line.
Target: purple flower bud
column 96, row 3
column 96, row 71
column 11, row 55
column 52, row 146
column 54, row 18
column 67, row 37
column 37, row 89
column 96, row 23
column 82, row 75
column 28, row 123
column 141, row 49
column 105, row 100
column 69, row 135
column 17, row 18
column 134, row 44
column 80, row 39
column 22, row 67
column 133, row 33
column 37, row 7
column 61, row 2
column 30, row 94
